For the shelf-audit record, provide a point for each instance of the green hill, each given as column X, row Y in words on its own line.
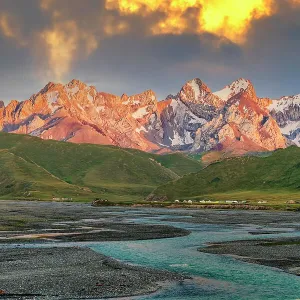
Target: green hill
column 34, row 168
column 275, row 178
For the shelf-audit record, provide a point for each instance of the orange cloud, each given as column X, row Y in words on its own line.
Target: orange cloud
column 294, row 2
column 228, row 18
column 71, row 36
column 232, row 18
column 10, row 28
column 46, row 4
column 62, row 43
column 113, row 26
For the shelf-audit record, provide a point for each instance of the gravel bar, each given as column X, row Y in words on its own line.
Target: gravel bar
column 281, row 253
column 73, row 273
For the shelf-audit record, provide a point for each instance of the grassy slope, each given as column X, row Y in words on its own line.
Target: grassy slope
column 274, row 178
column 20, row 178
column 63, row 169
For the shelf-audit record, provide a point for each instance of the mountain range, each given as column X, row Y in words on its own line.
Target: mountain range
column 233, row 120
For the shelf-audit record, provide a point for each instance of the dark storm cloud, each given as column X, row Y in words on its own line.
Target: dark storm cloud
column 118, row 54
column 162, row 63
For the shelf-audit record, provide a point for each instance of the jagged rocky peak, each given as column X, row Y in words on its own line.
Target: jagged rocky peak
column 197, row 95
column 233, row 89
column 170, row 97
column 233, row 119
column 49, row 86
column 124, row 97
column 194, row 90
column 286, row 112
column 145, row 98
column 74, row 86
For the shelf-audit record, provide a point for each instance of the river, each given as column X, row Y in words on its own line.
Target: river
column 212, row 276
column 215, row 277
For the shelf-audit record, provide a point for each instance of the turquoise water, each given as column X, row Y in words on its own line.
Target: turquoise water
column 214, row 276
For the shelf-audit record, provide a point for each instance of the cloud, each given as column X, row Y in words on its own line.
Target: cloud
column 73, row 34
column 233, row 18
column 10, row 28
column 65, row 32
column 112, row 26
column 225, row 18
column 62, row 43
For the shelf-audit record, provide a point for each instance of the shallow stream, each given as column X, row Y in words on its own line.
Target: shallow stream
column 216, row 277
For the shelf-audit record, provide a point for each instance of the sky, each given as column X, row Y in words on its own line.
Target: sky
column 128, row 46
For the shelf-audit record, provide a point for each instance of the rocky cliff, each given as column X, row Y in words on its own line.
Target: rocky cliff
column 286, row 112
column 233, row 120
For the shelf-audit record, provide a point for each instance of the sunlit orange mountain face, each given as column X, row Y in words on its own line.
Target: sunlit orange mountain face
column 196, row 120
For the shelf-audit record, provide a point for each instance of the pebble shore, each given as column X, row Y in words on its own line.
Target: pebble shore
column 73, row 273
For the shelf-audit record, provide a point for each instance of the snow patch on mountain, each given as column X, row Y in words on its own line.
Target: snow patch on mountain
column 284, row 103
column 90, row 98
column 73, row 90
column 100, row 109
column 138, row 130
column 177, row 140
column 140, row 113
column 52, row 98
column 195, row 88
column 126, row 102
column 290, row 127
column 233, row 89
column 134, row 102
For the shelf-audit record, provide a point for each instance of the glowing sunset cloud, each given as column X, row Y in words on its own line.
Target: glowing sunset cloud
column 232, row 18
column 229, row 18
column 62, row 43
column 67, row 35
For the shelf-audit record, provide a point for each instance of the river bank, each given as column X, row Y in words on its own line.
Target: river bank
column 56, row 272
column 53, row 248
column 281, row 253
column 200, row 206
column 73, row 273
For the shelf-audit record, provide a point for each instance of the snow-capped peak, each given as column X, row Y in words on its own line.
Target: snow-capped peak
column 194, row 90
column 233, row 89
column 196, row 87
column 284, row 102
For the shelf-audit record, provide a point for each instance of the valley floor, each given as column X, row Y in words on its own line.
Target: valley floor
column 44, row 252
column 46, row 247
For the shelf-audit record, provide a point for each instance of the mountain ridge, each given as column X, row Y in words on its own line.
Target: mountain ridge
column 196, row 120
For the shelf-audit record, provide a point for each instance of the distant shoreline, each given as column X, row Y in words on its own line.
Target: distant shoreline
column 282, row 207
column 172, row 205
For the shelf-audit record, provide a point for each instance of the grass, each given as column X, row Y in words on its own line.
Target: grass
column 31, row 168
column 274, row 178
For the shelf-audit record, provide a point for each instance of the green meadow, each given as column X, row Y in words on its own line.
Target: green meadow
column 31, row 168
column 274, row 178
